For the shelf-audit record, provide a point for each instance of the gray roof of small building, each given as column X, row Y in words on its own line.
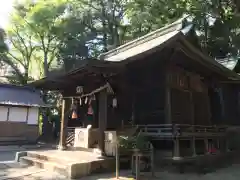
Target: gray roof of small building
column 20, row 96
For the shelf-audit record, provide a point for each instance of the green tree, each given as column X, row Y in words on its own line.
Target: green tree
column 42, row 19
column 20, row 54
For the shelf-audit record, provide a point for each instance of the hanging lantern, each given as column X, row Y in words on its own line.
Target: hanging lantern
column 114, row 102
column 74, row 115
column 79, row 89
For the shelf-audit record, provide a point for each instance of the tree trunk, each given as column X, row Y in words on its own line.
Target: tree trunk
column 47, row 126
column 45, row 64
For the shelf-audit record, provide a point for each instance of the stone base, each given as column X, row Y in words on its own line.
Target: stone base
column 72, row 164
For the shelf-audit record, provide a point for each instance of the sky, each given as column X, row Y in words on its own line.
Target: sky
column 5, row 10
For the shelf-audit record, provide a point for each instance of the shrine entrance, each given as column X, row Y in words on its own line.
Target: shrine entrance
column 84, row 120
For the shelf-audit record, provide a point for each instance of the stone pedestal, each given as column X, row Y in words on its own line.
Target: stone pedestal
column 86, row 137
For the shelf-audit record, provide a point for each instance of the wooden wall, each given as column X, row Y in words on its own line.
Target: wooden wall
column 148, row 88
column 189, row 97
column 231, row 114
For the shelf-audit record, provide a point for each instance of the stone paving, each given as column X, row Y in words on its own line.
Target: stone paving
column 11, row 170
column 15, row 171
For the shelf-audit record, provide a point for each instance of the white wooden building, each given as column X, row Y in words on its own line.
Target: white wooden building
column 19, row 113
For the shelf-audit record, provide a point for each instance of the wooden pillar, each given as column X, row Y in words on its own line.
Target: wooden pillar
column 168, row 115
column 192, row 109
column 102, row 117
column 133, row 110
column 63, row 130
column 218, row 144
column 226, row 144
column 206, row 146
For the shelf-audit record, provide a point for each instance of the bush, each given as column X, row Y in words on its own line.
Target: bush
column 134, row 142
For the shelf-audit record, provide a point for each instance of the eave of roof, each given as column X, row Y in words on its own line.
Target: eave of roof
column 88, row 66
column 9, row 103
column 209, row 61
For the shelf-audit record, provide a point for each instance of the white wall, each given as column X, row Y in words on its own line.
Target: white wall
column 3, row 113
column 33, row 116
column 17, row 114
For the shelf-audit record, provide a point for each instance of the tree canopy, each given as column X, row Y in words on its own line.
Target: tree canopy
column 57, row 34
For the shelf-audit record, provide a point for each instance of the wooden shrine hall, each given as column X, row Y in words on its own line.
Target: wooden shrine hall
column 161, row 84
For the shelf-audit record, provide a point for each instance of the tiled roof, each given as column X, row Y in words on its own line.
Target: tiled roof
column 161, row 38
column 146, row 42
column 20, row 96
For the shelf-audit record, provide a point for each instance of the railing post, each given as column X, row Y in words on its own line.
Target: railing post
column 176, row 153
column 137, row 168
column 117, row 161
column 193, row 142
column 152, row 160
column 193, row 146
column 176, row 148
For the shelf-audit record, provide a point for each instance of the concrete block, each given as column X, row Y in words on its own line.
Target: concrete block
column 79, row 170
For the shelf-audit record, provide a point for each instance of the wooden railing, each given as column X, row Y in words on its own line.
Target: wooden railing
column 181, row 130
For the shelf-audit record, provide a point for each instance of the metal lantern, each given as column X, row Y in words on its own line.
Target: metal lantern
column 114, row 102
column 79, row 89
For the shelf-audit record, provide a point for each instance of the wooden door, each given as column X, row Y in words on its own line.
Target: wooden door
column 180, row 106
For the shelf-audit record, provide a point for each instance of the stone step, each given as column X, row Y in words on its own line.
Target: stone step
column 90, row 150
column 43, row 157
column 72, row 164
column 56, row 167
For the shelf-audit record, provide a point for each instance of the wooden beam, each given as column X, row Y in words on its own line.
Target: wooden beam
column 230, row 82
column 27, row 115
column 192, row 109
column 8, row 113
column 102, row 117
column 168, row 113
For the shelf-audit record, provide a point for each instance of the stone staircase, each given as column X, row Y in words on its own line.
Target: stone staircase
column 72, row 164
